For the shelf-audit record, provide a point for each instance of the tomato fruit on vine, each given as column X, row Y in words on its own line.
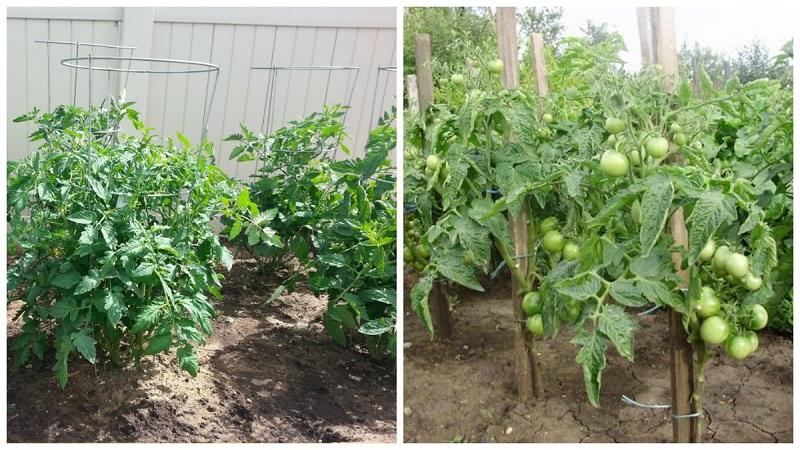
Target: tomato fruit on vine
column 432, row 162
column 468, row 258
column 615, row 125
column 738, row 347
column 675, row 128
column 707, row 252
column 535, row 325
column 408, row 255
column 495, row 66
column 548, row 224
column 714, row 330
column 570, row 251
column 680, row 139
column 532, row 303
column 719, row 260
column 752, row 282
column 457, row 79
column 613, row 163
column 757, row 317
column 708, row 305
column 553, row 241
column 736, row 265
column 547, row 118
column 753, row 338
column 656, row 147
column 570, row 311
column 633, row 157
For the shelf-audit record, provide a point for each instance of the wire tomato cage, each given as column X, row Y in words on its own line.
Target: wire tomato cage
column 143, row 65
column 383, row 72
column 273, row 72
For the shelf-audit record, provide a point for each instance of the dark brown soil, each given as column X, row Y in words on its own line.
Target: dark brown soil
column 268, row 374
column 462, row 390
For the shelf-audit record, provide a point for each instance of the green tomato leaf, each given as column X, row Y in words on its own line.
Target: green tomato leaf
column 657, row 201
column 618, row 327
column 592, row 356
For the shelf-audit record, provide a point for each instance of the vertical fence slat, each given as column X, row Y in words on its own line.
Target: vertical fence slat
column 16, row 145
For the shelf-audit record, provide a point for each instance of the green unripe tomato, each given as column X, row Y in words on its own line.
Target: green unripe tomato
column 570, row 311
column 612, row 139
column 408, row 255
column 548, row 224
column 738, row 347
column 570, row 251
column 532, row 303
column 634, row 158
column 675, row 128
column 553, row 241
column 697, row 145
column 422, row 251
column 636, row 212
column 656, row 147
column 680, row 139
column 418, row 266
column 719, row 259
column 547, row 118
column 753, row 338
column 443, row 172
column 457, row 79
column 708, row 305
column 752, row 282
column 615, row 125
column 707, row 252
column 737, row 265
column 432, row 162
column 714, row 330
column 495, row 66
column 757, row 317
column 535, row 325
column 468, row 258
column 613, row 163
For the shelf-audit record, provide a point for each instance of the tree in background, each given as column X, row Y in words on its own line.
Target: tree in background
column 547, row 21
column 598, row 34
column 456, row 34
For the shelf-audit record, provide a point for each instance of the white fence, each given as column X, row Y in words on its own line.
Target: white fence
column 233, row 38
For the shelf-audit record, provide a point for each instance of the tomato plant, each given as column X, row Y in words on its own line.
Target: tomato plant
column 116, row 254
column 500, row 155
column 336, row 217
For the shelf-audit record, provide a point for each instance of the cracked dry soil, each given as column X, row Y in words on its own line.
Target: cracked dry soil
column 462, row 390
column 269, row 373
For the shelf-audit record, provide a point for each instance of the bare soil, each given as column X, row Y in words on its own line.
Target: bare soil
column 462, row 390
column 269, row 373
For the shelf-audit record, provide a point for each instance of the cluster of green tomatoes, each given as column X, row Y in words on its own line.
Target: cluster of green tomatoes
column 736, row 333
column 416, row 251
column 554, row 243
column 615, row 163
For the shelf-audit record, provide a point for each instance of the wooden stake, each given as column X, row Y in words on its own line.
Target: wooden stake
column 412, row 94
column 524, row 358
column 681, row 351
column 642, row 14
column 422, row 54
column 440, row 311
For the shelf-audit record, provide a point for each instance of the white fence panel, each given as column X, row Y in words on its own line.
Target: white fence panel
column 234, row 38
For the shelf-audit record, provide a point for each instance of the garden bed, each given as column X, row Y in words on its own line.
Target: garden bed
column 269, row 373
column 463, row 390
